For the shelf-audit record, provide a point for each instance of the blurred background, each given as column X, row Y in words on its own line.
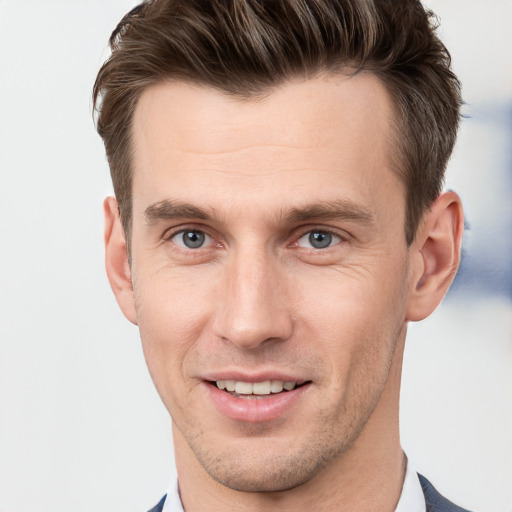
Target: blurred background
column 81, row 427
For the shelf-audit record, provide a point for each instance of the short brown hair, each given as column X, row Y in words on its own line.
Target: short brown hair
column 246, row 47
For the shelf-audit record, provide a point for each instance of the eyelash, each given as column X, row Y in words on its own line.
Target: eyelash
column 331, row 233
column 171, row 233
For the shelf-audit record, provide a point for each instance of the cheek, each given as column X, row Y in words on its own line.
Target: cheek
column 173, row 303
column 356, row 321
column 173, row 311
column 358, row 309
column 352, row 295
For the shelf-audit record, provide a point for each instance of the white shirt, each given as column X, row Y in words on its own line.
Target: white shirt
column 411, row 499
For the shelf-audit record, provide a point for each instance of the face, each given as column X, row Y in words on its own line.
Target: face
column 270, row 272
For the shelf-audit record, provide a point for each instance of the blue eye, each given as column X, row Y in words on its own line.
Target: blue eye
column 190, row 239
column 318, row 239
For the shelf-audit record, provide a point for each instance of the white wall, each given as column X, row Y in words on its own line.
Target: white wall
column 81, row 428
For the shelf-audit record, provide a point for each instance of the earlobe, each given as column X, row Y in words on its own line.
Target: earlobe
column 436, row 255
column 116, row 260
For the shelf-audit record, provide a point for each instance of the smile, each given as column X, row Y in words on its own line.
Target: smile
column 242, row 389
column 257, row 401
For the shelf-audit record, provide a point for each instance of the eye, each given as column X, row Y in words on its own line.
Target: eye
column 190, row 239
column 318, row 239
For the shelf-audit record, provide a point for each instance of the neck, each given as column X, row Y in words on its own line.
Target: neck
column 367, row 477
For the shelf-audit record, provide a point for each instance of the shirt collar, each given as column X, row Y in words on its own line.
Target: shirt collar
column 412, row 498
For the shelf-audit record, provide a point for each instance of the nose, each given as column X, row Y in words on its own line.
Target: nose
column 253, row 307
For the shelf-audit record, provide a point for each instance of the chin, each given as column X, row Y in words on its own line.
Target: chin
column 270, row 468
column 264, row 479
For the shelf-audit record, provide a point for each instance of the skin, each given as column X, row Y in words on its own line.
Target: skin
column 258, row 297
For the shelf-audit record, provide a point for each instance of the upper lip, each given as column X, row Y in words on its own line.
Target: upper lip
column 252, row 377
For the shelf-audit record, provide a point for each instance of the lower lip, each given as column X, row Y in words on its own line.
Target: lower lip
column 254, row 409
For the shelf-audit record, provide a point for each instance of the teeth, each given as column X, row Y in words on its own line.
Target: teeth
column 261, row 388
column 257, row 388
column 276, row 386
column 243, row 388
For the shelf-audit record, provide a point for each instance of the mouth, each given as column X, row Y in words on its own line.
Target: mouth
column 259, row 397
column 256, row 390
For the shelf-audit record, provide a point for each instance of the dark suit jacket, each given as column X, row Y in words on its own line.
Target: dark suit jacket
column 435, row 502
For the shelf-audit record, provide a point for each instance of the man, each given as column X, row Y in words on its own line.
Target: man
column 278, row 221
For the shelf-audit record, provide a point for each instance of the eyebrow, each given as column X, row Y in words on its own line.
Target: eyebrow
column 169, row 210
column 341, row 209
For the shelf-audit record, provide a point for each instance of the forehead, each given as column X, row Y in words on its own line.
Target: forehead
column 324, row 136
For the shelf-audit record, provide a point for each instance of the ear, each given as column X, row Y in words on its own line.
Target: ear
column 435, row 255
column 116, row 260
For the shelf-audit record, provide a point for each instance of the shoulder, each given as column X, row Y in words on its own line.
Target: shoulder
column 436, row 502
column 159, row 507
